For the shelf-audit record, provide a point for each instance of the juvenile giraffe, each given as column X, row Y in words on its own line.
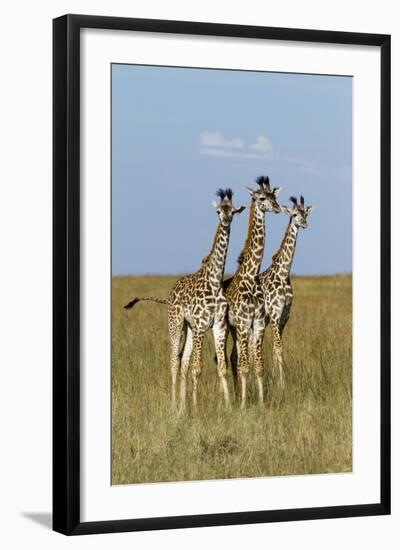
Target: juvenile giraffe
column 197, row 303
column 275, row 282
column 245, row 300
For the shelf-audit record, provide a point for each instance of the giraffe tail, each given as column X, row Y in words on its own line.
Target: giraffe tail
column 148, row 298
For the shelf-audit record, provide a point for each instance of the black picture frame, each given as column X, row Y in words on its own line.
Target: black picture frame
column 66, row 273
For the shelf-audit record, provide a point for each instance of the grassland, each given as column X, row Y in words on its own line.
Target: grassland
column 308, row 431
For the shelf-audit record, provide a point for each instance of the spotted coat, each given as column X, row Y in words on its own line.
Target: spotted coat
column 276, row 285
column 246, row 312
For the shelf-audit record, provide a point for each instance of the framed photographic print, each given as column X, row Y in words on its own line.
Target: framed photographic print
column 221, row 274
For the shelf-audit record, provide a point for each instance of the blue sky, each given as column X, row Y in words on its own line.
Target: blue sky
column 179, row 134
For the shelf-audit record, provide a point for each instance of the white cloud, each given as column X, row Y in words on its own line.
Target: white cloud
column 262, row 144
column 216, row 139
column 214, row 144
column 215, row 152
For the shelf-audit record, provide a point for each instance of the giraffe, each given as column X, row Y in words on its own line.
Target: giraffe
column 275, row 282
column 245, row 301
column 197, row 303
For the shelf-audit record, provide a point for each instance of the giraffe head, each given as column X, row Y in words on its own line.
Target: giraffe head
column 265, row 197
column 225, row 208
column 298, row 212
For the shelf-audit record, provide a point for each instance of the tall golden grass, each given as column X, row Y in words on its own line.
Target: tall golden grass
column 307, row 431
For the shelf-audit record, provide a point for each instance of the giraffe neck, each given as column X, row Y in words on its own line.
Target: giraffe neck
column 215, row 261
column 253, row 250
column 284, row 257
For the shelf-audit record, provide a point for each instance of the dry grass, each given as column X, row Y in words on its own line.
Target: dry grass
column 308, row 431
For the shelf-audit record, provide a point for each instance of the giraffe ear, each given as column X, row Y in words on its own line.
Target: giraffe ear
column 215, row 204
column 239, row 209
column 251, row 191
column 276, row 191
column 309, row 209
column 286, row 209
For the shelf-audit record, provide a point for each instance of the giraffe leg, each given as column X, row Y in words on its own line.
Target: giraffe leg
column 198, row 338
column 175, row 327
column 284, row 317
column 220, row 330
column 258, row 337
column 243, row 366
column 278, row 353
column 185, row 362
column 234, row 362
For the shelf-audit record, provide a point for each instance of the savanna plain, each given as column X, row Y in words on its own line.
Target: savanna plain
column 306, row 430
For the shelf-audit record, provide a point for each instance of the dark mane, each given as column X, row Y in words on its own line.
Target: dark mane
column 275, row 256
column 249, row 233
